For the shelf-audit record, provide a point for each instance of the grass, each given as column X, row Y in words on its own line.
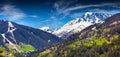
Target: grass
column 2, row 52
column 74, row 44
column 26, row 47
column 45, row 54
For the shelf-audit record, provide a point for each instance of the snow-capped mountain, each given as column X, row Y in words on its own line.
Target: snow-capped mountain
column 76, row 25
column 47, row 29
column 12, row 34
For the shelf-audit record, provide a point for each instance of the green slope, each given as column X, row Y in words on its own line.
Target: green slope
column 99, row 40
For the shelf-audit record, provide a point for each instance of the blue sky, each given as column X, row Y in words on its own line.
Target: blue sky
column 53, row 13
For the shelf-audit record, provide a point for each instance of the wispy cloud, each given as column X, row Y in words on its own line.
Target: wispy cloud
column 11, row 12
column 34, row 16
column 62, row 5
column 94, row 5
column 65, row 9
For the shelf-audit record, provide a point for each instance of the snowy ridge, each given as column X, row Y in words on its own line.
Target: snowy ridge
column 10, row 30
column 47, row 29
column 13, row 45
column 76, row 25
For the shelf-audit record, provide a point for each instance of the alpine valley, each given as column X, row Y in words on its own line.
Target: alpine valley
column 92, row 35
column 20, row 38
column 59, row 28
column 97, row 40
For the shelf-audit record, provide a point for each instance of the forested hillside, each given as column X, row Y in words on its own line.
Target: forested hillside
column 99, row 40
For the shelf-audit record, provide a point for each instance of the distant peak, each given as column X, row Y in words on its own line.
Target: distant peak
column 45, row 28
column 88, row 13
column 3, row 21
column 78, row 24
column 85, row 15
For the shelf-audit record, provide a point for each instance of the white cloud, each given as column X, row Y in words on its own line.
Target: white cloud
column 53, row 17
column 11, row 12
column 67, row 8
column 61, row 5
column 86, row 6
column 34, row 16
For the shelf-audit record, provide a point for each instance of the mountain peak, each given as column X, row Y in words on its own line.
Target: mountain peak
column 10, row 24
column 88, row 13
column 3, row 20
column 93, row 15
column 76, row 25
column 47, row 29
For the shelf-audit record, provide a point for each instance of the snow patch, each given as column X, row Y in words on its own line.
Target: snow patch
column 78, row 24
column 11, row 28
column 13, row 45
column 47, row 29
column 49, row 41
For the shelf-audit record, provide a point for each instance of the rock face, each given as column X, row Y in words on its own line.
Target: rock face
column 78, row 24
column 14, row 34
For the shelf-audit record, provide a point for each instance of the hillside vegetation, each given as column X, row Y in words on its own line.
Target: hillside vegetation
column 99, row 40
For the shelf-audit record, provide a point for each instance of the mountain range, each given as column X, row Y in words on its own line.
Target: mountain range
column 98, row 40
column 92, row 35
column 78, row 24
column 19, row 37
